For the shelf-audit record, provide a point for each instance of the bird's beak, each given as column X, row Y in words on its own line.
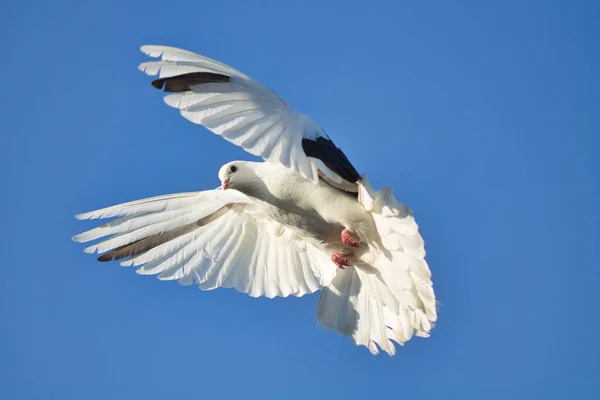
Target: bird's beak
column 225, row 184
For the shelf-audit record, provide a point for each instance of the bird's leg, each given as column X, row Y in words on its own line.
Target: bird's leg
column 341, row 260
column 350, row 239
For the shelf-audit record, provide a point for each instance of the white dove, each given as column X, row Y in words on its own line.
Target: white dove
column 300, row 221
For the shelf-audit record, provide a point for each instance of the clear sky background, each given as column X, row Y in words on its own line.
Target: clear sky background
column 483, row 116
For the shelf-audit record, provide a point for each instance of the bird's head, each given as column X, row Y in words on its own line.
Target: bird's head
column 235, row 174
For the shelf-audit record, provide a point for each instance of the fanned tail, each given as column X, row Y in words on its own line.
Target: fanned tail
column 393, row 300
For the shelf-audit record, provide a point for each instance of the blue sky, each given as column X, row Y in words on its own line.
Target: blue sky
column 482, row 116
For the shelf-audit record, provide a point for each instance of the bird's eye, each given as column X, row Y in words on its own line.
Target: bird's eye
column 233, row 168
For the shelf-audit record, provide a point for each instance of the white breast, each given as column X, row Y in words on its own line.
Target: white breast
column 317, row 211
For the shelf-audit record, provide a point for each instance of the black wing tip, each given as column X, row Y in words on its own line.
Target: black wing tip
column 142, row 245
column 120, row 252
column 333, row 157
column 184, row 82
column 107, row 257
column 158, row 83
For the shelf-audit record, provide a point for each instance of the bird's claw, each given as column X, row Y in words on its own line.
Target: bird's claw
column 340, row 260
column 350, row 239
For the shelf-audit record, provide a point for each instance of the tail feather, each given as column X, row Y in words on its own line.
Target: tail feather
column 392, row 299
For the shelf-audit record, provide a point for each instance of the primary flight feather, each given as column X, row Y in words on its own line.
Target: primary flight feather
column 301, row 221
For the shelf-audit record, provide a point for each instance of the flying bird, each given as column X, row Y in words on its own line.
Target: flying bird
column 301, row 220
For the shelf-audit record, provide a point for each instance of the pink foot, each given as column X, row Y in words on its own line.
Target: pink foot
column 340, row 260
column 350, row 239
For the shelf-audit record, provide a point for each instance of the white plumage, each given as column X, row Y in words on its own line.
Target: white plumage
column 280, row 227
column 218, row 254
column 242, row 110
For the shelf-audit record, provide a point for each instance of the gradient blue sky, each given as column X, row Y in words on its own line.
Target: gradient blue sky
column 482, row 116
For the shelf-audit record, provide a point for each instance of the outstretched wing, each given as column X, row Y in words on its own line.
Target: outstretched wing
column 213, row 238
column 247, row 114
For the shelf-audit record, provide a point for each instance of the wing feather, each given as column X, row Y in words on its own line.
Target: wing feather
column 246, row 113
column 214, row 238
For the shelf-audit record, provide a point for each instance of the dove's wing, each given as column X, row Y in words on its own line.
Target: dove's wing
column 213, row 238
column 247, row 114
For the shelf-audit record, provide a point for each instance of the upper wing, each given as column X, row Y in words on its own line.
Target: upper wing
column 214, row 238
column 247, row 114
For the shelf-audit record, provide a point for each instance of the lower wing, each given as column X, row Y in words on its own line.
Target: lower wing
column 212, row 238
